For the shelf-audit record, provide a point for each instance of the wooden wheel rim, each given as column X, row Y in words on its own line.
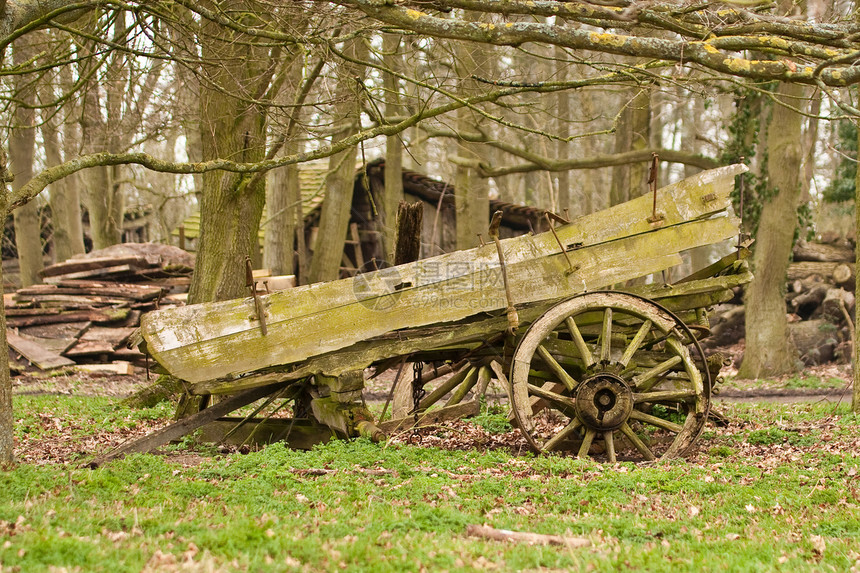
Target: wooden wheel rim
column 694, row 398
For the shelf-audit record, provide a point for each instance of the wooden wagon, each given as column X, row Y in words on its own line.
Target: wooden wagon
column 589, row 365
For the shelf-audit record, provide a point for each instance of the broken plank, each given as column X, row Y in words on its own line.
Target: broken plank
column 58, row 345
column 76, row 266
column 89, row 348
column 70, row 301
column 118, row 367
column 299, row 434
column 99, row 316
column 119, row 270
column 96, row 288
column 446, row 414
column 35, row 353
column 31, row 311
column 185, row 426
column 113, row 336
column 59, row 330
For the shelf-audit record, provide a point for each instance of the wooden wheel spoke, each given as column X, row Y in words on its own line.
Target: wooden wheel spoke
column 667, row 396
column 637, row 443
column 562, row 403
column 586, row 442
column 557, row 368
column 574, row 425
column 609, row 441
column 635, row 343
column 606, row 336
column 579, row 341
column 655, row 421
column 649, row 378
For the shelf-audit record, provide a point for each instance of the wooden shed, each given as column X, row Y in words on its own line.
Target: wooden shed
column 438, row 235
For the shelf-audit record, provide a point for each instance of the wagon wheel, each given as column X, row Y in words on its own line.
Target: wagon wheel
column 609, row 373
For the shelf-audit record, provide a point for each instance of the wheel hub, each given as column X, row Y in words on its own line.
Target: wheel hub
column 604, row 402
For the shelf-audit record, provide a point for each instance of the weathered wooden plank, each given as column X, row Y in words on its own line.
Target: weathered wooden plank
column 70, row 301
column 59, row 330
column 96, row 288
column 35, row 353
column 57, row 345
column 194, row 344
column 89, row 348
column 119, row 367
column 101, row 272
column 74, row 266
column 299, row 434
column 446, row 414
column 185, row 426
column 100, row 316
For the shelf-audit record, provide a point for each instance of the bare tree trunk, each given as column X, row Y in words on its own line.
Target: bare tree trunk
column 629, row 181
column 855, row 395
column 22, row 142
column 68, row 237
column 393, row 146
column 471, row 200
column 563, row 148
column 336, row 209
column 7, row 429
column 769, row 350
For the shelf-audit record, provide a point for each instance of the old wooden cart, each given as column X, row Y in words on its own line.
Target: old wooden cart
column 587, row 368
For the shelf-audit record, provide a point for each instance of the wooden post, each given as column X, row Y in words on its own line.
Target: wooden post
column 409, row 220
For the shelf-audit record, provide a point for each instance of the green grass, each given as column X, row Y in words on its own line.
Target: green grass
column 776, row 491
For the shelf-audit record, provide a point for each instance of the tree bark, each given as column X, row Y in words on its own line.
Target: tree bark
column 769, row 351
column 232, row 125
column 393, row 193
column 22, row 142
column 7, row 429
column 336, row 209
column 68, row 236
column 630, row 180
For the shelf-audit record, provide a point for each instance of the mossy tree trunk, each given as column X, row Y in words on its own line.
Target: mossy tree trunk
column 237, row 72
column 7, row 433
column 769, row 351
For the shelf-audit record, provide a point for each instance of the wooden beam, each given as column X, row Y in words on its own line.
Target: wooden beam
column 185, row 426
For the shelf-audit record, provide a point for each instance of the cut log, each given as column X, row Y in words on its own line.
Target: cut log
column 815, row 340
column 837, row 273
column 806, row 303
column 804, row 251
column 836, row 304
column 39, row 356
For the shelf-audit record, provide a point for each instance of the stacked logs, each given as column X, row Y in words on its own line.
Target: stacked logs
column 819, row 303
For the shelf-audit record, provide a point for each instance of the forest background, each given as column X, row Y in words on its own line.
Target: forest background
column 174, row 106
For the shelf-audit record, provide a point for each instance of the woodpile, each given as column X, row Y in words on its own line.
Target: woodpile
column 90, row 305
column 819, row 302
